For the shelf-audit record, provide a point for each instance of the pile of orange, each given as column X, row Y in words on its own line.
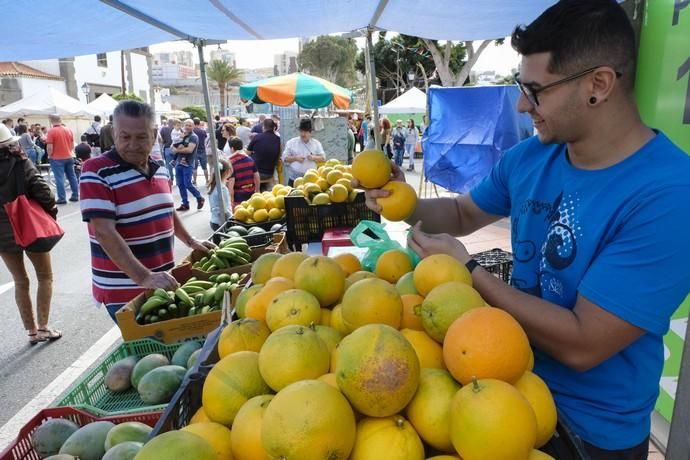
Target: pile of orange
column 330, row 361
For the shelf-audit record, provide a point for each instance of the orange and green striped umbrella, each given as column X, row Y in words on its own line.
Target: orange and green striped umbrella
column 307, row 91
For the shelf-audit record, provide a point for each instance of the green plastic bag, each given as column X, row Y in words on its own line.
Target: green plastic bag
column 373, row 236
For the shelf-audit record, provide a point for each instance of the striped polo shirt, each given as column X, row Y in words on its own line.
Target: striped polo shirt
column 243, row 169
column 142, row 208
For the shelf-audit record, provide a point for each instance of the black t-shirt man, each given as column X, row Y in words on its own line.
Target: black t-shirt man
column 264, row 148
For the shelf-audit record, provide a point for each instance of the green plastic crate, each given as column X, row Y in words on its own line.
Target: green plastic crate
column 91, row 394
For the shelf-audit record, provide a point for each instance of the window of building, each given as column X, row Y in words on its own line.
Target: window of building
column 102, row 60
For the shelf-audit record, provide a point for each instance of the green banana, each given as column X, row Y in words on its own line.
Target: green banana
column 200, row 283
column 151, row 304
column 218, row 261
column 209, row 295
column 184, row 297
column 159, row 292
column 220, row 290
column 174, row 311
column 192, row 289
column 223, row 278
column 154, row 319
column 205, row 309
column 235, row 278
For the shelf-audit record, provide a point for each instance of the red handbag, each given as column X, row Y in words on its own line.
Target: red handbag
column 34, row 229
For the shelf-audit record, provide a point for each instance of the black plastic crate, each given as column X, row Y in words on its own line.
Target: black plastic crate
column 258, row 239
column 496, row 261
column 307, row 223
column 265, row 225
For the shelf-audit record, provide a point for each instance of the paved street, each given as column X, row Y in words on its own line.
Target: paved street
column 26, row 370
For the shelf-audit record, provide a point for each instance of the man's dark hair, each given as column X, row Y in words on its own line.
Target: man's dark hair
column 581, row 34
column 21, row 129
column 242, row 121
column 97, row 118
column 197, row 121
column 269, row 125
column 235, row 143
column 20, row 120
column 84, row 138
column 305, row 125
column 110, row 118
column 216, row 117
column 369, row 117
column 135, row 109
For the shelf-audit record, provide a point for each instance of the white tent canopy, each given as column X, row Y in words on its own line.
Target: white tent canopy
column 103, row 104
column 46, row 102
column 108, row 28
column 411, row 101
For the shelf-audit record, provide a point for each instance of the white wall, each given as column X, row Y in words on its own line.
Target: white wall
column 140, row 76
column 51, row 66
column 32, row 86
column 86, row 70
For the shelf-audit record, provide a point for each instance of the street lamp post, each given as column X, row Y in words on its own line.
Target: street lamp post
column 86, row 89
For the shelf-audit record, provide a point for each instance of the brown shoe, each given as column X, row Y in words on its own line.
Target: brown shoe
column 200, row 203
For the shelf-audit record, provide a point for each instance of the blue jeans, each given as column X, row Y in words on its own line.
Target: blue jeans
column 33, row 156
column 60, row 168
column 168, row 156
column 184, row 182
column 409, row 149
column 399, row 155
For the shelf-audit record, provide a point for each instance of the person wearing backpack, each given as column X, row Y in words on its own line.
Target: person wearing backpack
column 93, row 133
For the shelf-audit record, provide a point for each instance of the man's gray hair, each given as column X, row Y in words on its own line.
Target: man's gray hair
column 134, row 109
column 54, row 118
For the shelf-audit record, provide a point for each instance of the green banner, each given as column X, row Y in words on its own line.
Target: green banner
column 663, row 94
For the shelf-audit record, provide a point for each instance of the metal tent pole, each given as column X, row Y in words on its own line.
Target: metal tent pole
column 679, row 437
column 211, row 128
column 372, row 83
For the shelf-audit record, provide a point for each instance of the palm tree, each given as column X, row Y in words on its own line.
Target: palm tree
column 223, row 74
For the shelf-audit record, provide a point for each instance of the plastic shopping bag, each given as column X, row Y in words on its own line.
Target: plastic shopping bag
column 373, row 236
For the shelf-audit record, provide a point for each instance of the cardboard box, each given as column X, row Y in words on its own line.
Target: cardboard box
column 171, row 330
column 168, row 331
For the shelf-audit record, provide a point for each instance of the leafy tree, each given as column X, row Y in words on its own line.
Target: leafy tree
column 331, row 58
column 395, row 59
column 127, row 96
column 196, row 111
column 223, row 74
column 451, row 66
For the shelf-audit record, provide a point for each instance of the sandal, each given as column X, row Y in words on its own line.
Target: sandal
column 49, row 334
column 35, row 338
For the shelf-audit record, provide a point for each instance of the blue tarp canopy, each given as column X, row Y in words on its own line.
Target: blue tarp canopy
column 43, row 29
column 469, row 130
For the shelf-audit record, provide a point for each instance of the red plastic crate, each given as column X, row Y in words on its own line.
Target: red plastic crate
column 335, row 237
column 21, row 448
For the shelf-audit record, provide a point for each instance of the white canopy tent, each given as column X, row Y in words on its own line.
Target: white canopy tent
column 103, row 104
column 411, row 101
column 47, row 102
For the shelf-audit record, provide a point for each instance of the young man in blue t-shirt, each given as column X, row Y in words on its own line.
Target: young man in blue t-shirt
column 599, row 206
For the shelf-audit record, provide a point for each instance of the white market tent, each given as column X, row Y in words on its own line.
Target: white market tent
column 46, row 102
column 103, row 104
column 124, row 24
column 411, row 101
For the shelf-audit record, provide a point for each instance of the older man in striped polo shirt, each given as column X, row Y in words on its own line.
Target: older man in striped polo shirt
column 127, row 201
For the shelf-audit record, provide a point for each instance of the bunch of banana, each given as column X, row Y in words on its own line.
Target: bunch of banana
column 195, row 297
column 230, row 253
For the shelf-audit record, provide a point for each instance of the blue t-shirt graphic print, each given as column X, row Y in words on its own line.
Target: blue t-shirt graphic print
column 617, row 236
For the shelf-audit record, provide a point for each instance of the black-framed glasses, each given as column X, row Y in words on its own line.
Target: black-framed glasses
column 531, row 93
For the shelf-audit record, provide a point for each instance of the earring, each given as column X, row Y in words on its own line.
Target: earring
column 592, row 100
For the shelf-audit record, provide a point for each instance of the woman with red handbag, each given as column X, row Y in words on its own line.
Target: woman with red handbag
column 19, row 177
